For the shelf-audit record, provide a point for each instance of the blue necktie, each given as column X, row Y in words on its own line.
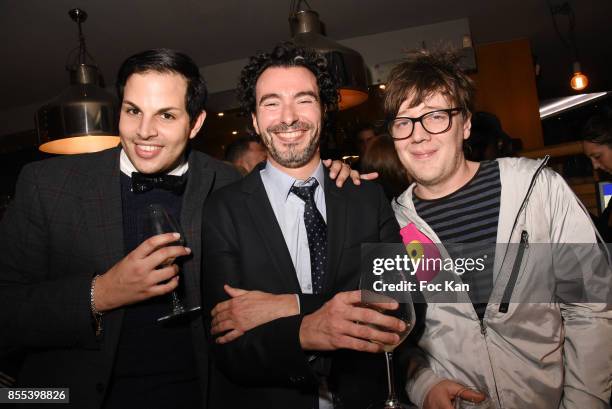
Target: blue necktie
column 316, row 231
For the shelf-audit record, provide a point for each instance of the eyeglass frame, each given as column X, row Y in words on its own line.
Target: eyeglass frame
column 450, row 111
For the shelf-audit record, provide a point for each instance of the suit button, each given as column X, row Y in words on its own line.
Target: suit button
column 100, row 387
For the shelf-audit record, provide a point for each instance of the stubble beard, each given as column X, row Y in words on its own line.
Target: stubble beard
column 293, row 157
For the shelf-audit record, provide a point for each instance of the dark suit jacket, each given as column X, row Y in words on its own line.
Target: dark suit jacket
column 65, row 226
column 244, row 247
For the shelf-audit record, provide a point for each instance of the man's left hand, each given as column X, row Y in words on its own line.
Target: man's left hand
column 247, row 310
column 340, row 171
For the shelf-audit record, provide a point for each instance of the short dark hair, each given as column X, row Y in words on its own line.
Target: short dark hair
column 598, row 129
column 164, row 60
column 286, row 54
column 239, row 147
column 424, row 73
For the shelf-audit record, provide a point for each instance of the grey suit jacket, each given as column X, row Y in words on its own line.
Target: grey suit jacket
column 65, row 226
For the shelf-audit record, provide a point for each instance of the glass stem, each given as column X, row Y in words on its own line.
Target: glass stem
column 390, row 377
column 177, row 305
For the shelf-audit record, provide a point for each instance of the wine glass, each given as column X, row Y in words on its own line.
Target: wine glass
column 374, row 290
column 462, row 402
column 158, row 221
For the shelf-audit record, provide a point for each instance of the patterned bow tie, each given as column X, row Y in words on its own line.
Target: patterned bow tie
column 143, row 183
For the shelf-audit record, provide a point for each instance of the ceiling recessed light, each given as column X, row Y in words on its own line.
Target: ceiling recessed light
column 234, row 132
column 220, row 114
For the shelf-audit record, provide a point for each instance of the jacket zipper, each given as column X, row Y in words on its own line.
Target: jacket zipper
column 524, row 236
column 514, row 274
column 524, row 244
column 483, row 331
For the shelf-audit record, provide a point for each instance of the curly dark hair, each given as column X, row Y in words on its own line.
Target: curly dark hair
column 286, row 54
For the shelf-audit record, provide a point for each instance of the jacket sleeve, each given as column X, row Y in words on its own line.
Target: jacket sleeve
column 421, row 378
column 38, row 309
column 587, row 326
column 388, row 226
column 269, row 354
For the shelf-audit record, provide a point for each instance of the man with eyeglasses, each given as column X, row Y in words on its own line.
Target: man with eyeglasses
column 523, row 354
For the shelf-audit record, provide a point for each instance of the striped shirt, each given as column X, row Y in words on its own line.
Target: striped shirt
column 469, row 215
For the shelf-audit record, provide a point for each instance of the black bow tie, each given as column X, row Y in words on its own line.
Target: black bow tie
column 143, row 183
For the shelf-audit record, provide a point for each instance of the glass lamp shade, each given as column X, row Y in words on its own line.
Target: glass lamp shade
column 81, row 119
column 345, row 64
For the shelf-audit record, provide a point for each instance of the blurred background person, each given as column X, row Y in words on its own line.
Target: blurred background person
column 597, row 145
column 488, row 140
column 381, row 157
column 245, row 153
column 365, row 133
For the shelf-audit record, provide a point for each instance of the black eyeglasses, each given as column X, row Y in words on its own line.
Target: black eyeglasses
column 433, row 122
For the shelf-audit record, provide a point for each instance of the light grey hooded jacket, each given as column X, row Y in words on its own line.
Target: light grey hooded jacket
column 534, row 355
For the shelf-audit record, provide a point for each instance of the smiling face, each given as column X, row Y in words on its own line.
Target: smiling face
column 288, row 116
column 600, row 155
column 435, row 162
column 154, row 124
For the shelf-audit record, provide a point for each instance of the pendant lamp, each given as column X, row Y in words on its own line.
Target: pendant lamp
column 83, row 118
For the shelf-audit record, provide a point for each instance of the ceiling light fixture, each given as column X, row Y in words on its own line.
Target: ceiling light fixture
column 556, row 106
column 345, row 64
column 579, row 80
column 83, row 117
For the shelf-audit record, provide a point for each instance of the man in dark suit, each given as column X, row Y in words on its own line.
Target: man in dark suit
column 284, row 244
column 78, row 290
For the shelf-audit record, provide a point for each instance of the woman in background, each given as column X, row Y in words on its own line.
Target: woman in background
column 597, row 145
column 380, row 156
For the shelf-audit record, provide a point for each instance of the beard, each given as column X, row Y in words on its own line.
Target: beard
column 293, row 157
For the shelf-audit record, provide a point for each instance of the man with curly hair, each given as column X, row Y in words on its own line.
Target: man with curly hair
column 282, row 262
column 525, row 352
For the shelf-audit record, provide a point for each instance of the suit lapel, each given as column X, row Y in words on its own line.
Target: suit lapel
column 199, row 185
column 264, row 219
column 102, row 207
column 335, row 205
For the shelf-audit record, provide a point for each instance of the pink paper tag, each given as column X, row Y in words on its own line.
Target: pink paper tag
column 420, row 247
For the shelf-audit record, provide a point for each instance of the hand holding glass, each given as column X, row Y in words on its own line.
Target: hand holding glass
column 158, row 221
column 404, row 312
